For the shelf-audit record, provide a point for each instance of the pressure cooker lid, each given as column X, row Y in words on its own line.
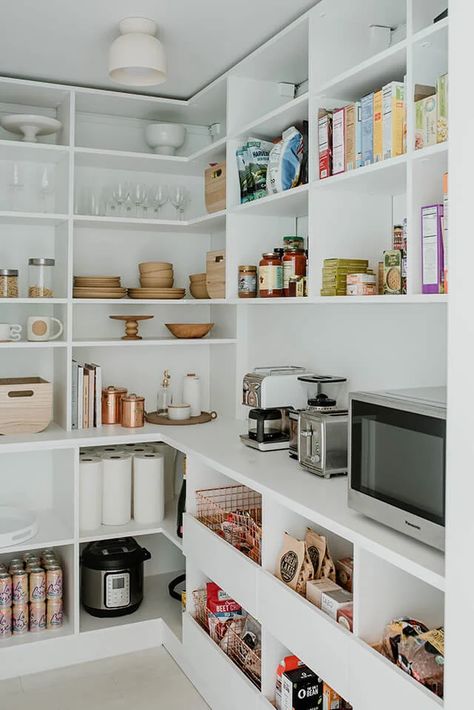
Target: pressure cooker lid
column 114, row 554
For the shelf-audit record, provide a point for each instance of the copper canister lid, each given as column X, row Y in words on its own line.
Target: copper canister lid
column 132, row 397
column 114, row 390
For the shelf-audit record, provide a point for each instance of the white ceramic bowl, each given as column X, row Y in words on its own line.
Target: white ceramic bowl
column 165, row 138
column 178, row 412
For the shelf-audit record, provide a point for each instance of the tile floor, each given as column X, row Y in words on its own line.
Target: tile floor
column 147, row 680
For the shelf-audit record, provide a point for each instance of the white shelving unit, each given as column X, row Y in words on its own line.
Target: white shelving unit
column 400, row 341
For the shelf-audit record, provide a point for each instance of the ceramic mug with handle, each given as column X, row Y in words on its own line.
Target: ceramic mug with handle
column 41, row 328
column 10, row 331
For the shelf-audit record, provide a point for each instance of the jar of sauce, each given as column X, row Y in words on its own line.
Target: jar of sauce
column 270, row 276
column 247, row 281
column 294, row 264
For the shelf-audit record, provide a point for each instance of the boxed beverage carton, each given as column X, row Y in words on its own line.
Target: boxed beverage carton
column 350, row 137
column 393, row 117
column 333, row 601
column 338, row 146
column 367, row 128
column 316, row 587
column 442, row 107
column 289, row 663
column 432, row 248
column 378, row 127
column 301, row 689
column 325, row 143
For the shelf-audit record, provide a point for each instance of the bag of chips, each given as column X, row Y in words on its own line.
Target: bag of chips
column 290, row 561
column 422, row 657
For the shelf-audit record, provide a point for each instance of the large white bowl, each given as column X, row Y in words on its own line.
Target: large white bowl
column 30, row 125
column 165, row 138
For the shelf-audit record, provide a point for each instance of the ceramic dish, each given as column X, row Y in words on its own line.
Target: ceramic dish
column 30, row 125
column 179, row 412
column 189, row 330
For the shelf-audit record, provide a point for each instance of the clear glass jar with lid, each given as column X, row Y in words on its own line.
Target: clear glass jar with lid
column 8, row 283
column 40, row 278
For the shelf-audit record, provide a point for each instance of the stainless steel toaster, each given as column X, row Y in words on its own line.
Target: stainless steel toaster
column 322, row 441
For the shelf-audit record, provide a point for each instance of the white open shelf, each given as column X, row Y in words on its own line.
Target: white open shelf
column 273, row 123
column 31, row 218
column 153, row 342
column 52, row 532
column 204, row 223
column 290, row 203
column 387, row 176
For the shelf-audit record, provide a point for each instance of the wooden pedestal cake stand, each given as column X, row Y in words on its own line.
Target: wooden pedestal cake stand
column 131, row 325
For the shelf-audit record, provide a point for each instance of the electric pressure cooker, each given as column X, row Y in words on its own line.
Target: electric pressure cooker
column 112, row 577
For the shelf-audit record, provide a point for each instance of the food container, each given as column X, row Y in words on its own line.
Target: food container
column 270, row 276
column 112, row 404
column 293, row 242
column 294, row 264
column 26, row 405
column 40, row 278
column 363, row 284
column 133, row 411
column 215, row 187
column 247, row 281
column 215, row 273
column 8, row 283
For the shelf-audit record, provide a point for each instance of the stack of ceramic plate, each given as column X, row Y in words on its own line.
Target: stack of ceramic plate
column 156, row 293
column 98, row 287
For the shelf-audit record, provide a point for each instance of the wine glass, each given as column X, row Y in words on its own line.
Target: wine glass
column 120, row 195
column 16, row 185
column 46, row 186
column 139, row 195
column 159, row 197
column 178, row 199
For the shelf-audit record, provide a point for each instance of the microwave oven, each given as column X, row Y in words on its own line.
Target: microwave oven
column 397, row 455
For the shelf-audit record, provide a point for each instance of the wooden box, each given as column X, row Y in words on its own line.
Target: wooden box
column 26, row 405
column 215, row 273
column 214, row 187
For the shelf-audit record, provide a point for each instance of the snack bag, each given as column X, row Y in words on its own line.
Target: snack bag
column 285, row 162
column 242, row 166
column 321, row 559
column 306, row 573
column 422, row 657
column 222, row 611
column 258, row 157
column 398, row 630
column 290, row 561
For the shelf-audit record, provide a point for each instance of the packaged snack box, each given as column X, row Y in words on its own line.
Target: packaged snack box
column 301, row 690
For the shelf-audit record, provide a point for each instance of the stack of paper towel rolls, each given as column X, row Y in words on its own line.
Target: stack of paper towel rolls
column 117, row 483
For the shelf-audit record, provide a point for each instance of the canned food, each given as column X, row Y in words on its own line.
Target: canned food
column 54, row 583
column 37, row 585
column 54, row 613
column 34, row 564
column 20, row 619
column 38, row 616
column 5, row 589
column 5, row 622
column 20, row 587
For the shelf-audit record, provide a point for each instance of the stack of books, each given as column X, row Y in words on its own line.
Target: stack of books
column 86, row 395
column 335, row 274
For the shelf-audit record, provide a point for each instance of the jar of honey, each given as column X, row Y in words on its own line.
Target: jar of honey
column 270, row 276
column 247, row 281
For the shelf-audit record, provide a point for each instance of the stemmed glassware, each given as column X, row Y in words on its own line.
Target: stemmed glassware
column 178, row 199
column 120, row 195
column 129, row 199
column 158, row 197
column 46, row 187
column 139, row 194
column 16, row 186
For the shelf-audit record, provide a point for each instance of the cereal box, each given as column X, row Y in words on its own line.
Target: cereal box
column 425, row 122
column 325, row 144
column 338, row 147
column 367, row 128
column 392, row 272
column 442, row 95
column 378, row 127
column 432, row 248
column 350, row 118
column 393, row 117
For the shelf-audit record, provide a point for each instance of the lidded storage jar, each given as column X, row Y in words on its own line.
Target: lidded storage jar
column 112, row 404
column 247, row 281
column 8, row 283
column 270, row 276
column 40, row 278
column 133, row 411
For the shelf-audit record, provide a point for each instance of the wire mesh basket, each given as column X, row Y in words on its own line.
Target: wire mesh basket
column 227, row 636
column 234, row 513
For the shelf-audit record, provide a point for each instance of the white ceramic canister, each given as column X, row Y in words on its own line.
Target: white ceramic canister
column 192, row 393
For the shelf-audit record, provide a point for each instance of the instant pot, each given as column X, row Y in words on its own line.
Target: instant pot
column 112, row 577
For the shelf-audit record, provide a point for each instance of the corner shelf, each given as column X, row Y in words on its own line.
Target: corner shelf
column 274, row 122
column 203, row 223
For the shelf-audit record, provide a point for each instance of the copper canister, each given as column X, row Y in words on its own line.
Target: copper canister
column 112, row 404
column 133, row 411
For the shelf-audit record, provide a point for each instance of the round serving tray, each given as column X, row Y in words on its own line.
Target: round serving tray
column 16, row 525
column 155, row 418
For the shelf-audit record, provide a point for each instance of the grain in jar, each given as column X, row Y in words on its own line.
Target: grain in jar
column 40, row 278
column 8, row 283
column 247, row 281
column 270, row 276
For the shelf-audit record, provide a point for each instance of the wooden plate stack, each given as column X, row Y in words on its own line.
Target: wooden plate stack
column 98, row 287
column 156, row 281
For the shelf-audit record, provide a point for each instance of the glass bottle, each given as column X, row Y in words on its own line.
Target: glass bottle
column 165, row 396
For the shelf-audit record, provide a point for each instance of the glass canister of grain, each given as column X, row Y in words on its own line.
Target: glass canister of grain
column 270, row 276
column 8, row 283
column 247, row 281
column 40, row 278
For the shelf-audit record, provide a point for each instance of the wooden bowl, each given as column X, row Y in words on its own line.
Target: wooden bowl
column 195, row 278
column 157, row 282
column 147, row 266
column 189, row 330
column 199, row 290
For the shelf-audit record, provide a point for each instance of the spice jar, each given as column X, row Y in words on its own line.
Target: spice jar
column 40, row 272
column 270, row 276
column 133, row 411
column 247, row 281
column 8, row 283
column 294, row 264
column 112, row 404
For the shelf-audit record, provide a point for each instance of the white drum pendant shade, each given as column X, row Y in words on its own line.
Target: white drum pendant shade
column 137, row 57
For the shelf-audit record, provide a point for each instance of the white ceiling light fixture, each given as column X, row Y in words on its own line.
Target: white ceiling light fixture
column 137, row 57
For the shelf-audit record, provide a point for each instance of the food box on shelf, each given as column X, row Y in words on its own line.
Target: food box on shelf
column 26, row 405
column 214, row 187
column 215, row 273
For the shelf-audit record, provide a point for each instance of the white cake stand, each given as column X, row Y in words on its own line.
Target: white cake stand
column 30, row 125
column 16, row 525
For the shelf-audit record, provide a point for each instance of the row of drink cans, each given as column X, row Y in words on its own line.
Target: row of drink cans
column 38, row 616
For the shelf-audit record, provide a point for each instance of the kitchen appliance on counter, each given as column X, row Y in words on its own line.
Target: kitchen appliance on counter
column 271, row 392
column 397, row 452
column 112, row 577
column 322, row 431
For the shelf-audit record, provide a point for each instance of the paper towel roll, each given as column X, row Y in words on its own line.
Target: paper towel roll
column 117, row 495
column 170, row 454
column 148, row 488
column 112, row 449
column 90, row 492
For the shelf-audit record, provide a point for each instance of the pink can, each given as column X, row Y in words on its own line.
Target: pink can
column 54, row 613
column 38, row 616
column 20, row 587
column 5, row 589
column 37, row 585
column 5, row 622
column 20, row 619
column 54, row 583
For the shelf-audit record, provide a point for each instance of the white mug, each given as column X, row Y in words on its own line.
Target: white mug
column 179, row 412
column 41, row 328
column 10, row 332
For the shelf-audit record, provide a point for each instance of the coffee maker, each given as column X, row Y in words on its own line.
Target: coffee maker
column 272, row 392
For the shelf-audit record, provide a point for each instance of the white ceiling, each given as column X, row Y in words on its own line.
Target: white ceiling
column 67, row 40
